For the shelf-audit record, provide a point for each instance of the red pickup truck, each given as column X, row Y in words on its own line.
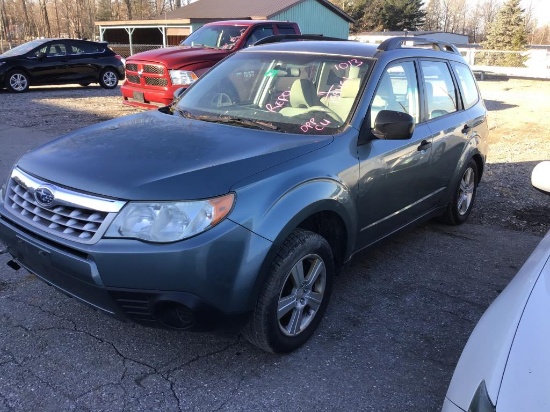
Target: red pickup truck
column 153, row 76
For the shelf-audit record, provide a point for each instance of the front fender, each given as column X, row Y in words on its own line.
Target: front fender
column 274, row 218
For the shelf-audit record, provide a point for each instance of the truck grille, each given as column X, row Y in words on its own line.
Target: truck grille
column 132, row 78
column 155, row 81
column 149, row 68
column 147, row 74
column 67, row 217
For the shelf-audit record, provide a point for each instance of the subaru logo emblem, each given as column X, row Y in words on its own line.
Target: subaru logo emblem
column 44, row 196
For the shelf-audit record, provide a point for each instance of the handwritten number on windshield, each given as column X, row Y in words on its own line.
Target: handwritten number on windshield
column 345, row 65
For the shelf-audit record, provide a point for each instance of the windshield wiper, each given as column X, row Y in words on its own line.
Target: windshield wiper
column 255, row 124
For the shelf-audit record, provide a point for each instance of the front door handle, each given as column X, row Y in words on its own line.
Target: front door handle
column 424, row 145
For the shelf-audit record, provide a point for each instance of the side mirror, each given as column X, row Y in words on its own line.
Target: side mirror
column 392, row 125
column 540, row 177
column 40, row 55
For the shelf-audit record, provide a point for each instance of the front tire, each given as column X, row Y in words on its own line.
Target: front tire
column 464, row 195
column 17, row 81
column 108, row 79
column 294, row 296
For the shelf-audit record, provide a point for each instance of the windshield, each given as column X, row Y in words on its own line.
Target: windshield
column 287, row 92
column 219, row 37
column 23, row 48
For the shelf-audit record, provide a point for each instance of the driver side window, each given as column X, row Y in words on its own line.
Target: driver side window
column 397, row 91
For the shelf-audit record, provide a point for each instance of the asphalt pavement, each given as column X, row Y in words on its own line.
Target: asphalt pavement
column 397, row 322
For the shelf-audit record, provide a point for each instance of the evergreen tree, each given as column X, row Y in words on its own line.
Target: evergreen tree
column 508, row 32
column 378, row 15
column 403, row 15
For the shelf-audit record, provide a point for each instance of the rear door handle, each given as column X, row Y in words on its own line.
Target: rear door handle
column 424, row 145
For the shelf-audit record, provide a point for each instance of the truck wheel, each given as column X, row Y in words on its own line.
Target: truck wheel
column 295, row 294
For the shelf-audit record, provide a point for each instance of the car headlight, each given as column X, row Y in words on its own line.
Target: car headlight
column 182, row 77
column 169, row 221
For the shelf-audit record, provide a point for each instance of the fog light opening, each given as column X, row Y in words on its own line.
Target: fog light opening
column 175, row 315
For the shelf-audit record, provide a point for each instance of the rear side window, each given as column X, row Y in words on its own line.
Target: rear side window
column 470, row 95
column 86, row 48
column 258, row 34
column 439, row 89
column 285, row 29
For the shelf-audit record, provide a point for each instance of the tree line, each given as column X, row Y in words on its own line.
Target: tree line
column 22, row 20
column 473, row 19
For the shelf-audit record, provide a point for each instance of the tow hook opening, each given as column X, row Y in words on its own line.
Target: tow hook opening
column 14, row 265
column 174, row 315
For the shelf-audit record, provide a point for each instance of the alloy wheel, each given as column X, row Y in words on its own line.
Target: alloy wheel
column 302, row 294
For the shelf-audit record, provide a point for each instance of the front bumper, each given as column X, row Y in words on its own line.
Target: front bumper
column 193, row 284
column 147, row 98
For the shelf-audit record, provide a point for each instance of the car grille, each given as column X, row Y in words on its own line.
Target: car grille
column 147, row 74
column 132, row 78
column 155, row 81
column 69, row 220
column 149, row 68
column 135, row 305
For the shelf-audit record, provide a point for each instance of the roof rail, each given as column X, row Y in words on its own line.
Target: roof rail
column 398, row 42
column 295, row 37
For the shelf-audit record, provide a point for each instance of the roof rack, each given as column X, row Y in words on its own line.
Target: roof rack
column 295, row 37
column 398, row 42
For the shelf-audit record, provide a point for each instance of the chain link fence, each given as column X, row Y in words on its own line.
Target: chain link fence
column 126, row 50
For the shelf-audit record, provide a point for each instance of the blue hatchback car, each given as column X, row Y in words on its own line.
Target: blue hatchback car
column 243, row 198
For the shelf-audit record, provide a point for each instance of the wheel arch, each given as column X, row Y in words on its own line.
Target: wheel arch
column 324, row 207
column 19, row 69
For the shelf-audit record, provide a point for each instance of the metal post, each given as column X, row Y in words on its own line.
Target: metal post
column 163, row 31
column 130, row 32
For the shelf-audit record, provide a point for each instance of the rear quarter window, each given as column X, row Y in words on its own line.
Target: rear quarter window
column 286, row 29
column 468, row 88
column 87, row 48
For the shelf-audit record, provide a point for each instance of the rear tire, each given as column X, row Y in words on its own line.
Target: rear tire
column 464, row 195
column 294, row 296
column 108, row 79
column 17, row 81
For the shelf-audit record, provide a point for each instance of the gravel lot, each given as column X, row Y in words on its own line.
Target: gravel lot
column 519, row 139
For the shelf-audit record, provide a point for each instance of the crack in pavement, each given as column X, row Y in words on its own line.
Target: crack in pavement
column 166, row 375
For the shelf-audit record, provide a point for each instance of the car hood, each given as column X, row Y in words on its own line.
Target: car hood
column 493, row 349
column 172, row 56
column 525, row 381
column 155, row 156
